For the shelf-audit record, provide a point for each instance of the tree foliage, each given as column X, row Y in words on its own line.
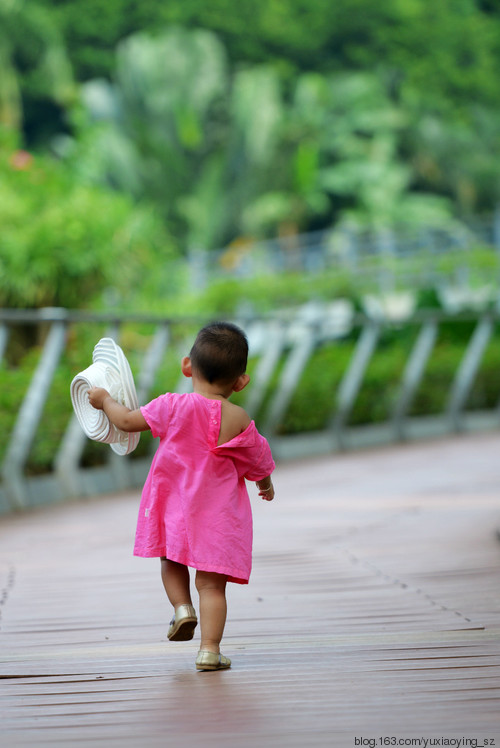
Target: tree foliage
column 36, row 84
column 243, row 155
column 242, row 121
column 448, row 48
column 64, row 243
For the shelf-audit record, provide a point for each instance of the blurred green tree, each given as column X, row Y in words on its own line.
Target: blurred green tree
column 175, row 128
column 365, row 159
column 459, row 158
column 376, row 113
column 449, row 49
column 226, row 156
column 36, row 84
column 158, row 127
column 294, row 197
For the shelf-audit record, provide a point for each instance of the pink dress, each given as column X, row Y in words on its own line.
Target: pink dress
column 195, row 507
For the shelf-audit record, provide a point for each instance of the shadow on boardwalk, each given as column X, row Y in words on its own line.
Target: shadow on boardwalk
column 373, row 611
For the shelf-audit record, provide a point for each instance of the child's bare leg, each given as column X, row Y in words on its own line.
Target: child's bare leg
column 213, row 608
column 175, row 578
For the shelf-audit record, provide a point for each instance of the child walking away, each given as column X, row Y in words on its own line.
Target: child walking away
column 195, row 510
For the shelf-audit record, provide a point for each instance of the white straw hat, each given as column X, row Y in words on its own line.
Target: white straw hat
column 110, row 369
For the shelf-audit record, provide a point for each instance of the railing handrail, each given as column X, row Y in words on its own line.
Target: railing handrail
column 60, row 314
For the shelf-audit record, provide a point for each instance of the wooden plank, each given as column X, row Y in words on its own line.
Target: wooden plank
column 373, row 610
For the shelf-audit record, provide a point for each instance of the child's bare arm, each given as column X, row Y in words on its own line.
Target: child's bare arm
column 266, row 488
column 122, row 417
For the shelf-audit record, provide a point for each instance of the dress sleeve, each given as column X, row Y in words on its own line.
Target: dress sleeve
column 250, row 454
column 262, row 463
column 157, row 414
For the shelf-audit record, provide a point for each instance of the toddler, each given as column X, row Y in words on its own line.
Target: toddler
column 195, row 510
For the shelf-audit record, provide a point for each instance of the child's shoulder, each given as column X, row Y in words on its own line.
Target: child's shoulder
column 234, row 420
column 235, row 413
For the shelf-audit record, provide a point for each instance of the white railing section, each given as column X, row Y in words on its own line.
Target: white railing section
column 281, row 347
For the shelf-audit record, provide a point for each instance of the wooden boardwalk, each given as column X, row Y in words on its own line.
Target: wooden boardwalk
column 373, row 612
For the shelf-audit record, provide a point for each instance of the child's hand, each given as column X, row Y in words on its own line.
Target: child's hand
column 97, row 395
column 266, row 493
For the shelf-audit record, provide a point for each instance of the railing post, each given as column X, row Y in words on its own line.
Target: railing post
column 67, row 460
column 270, row 356
column 4, row 338
column 297, row 359
column 152, row 361
column 496, row 227
column 30, row 413
column 413, row 375
column 466, row 373
column 353, row 378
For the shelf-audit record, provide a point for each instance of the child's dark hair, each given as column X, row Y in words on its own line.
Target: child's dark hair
column 220, row 352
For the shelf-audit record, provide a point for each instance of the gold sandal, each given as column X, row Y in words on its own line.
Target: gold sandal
column 183, row 624
column 211, row 661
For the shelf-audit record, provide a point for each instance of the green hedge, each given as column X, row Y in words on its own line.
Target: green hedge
column 314, row 402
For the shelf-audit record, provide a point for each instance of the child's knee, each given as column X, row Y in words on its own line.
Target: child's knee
column 208, row 580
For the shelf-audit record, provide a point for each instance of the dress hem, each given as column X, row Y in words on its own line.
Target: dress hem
column 200, row 566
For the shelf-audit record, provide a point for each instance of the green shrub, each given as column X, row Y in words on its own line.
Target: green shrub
column 313, row 402
column 64, row 242
column 266, row 293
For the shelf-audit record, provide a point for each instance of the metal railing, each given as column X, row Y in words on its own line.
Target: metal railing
column 281, row 347
column 352, row 250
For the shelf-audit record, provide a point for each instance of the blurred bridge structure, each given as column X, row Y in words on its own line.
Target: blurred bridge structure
column 404, row 256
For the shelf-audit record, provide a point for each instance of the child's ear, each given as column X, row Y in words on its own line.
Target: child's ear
column 241, row 383
column 186, row 367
